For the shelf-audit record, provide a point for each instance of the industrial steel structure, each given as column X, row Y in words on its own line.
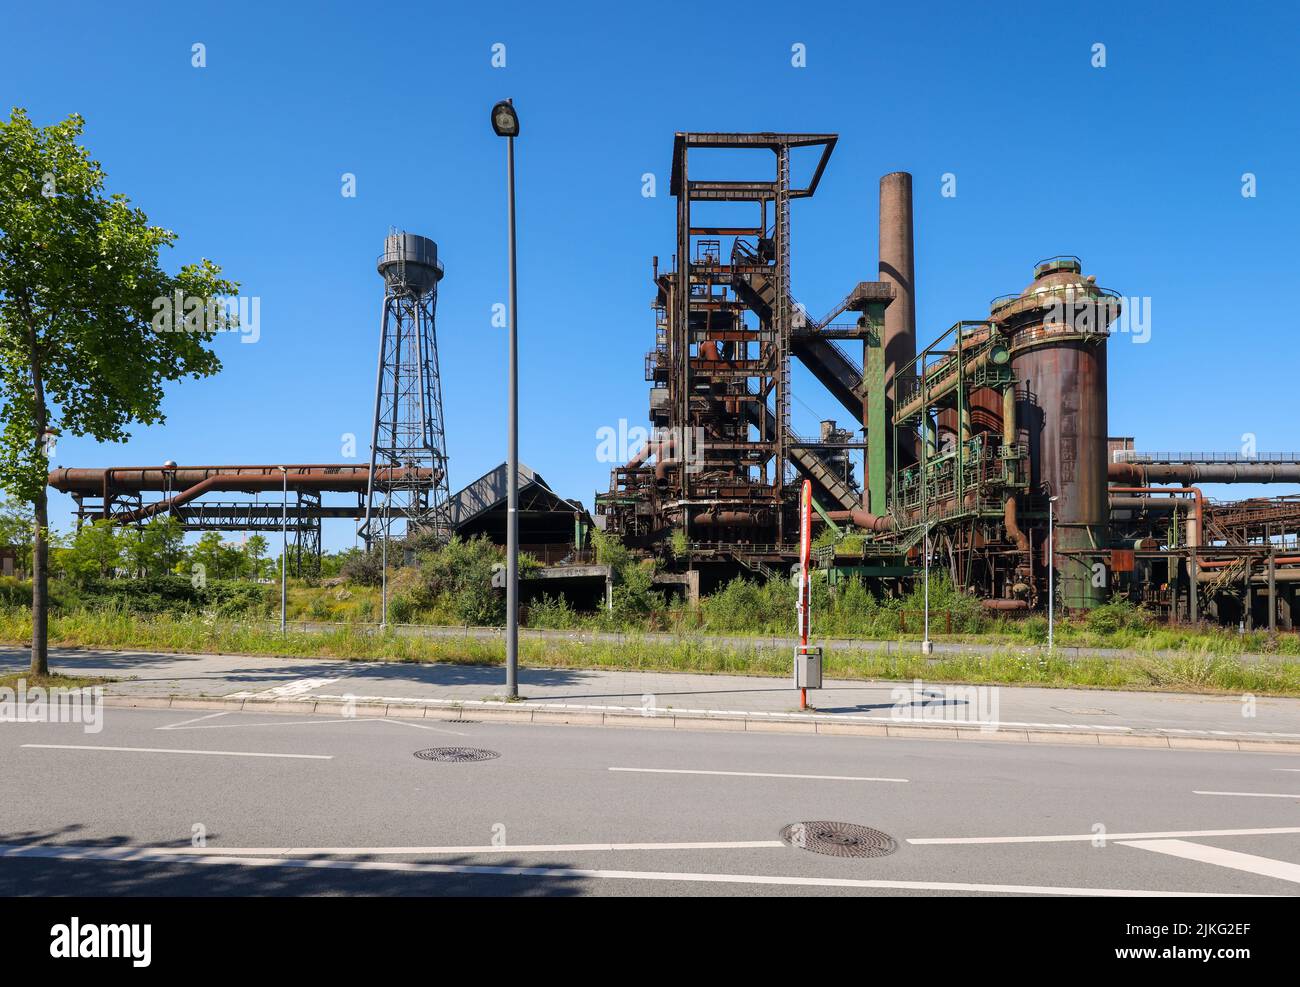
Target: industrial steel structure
column 408, row 444
column 403, row 490
column 973, row 439
column 972, row 447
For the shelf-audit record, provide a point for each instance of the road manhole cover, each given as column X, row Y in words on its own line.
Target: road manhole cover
column 837, row 839
column 459, row 754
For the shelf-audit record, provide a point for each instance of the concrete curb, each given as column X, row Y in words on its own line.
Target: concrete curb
column 559, row 714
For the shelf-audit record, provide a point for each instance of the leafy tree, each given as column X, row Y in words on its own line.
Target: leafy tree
column 255, row 555
column 80, row 285
column 155, row 548
column 96, row 550
column 219, row 560
column 362, row 568
column 16, row 531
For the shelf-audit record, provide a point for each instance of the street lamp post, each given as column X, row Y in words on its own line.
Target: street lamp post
column 284, row 548
column 1051, row 572
column 505, row 123
column 383, row 569
column 927, row 646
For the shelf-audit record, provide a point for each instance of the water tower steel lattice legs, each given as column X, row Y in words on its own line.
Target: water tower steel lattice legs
column 408, row 488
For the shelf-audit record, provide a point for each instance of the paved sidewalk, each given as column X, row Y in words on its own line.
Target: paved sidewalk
column 740, row 642
column 1095, row 713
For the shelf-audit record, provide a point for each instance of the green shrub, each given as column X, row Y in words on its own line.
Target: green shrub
column 1118, row 615
column 401, row 609
column 363, row 568
column 554, row 613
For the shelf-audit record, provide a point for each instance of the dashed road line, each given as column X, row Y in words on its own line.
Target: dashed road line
column 170, row 750
column 1108, row 837
column 1253, row 795
column 754, row 774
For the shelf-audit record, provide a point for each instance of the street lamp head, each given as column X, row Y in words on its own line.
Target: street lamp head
column 505, row 121
column 1053, row 500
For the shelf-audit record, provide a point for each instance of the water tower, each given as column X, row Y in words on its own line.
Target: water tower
column 408, row 445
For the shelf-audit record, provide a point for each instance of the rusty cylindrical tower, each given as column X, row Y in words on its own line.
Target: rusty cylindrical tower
column 1058, row 330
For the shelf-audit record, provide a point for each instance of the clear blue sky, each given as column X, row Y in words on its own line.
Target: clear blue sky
column 1135, row 167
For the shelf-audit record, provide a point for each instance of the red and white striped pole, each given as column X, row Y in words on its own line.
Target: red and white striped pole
column 805, row 580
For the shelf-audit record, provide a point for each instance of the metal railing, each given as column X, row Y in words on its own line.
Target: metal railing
column 1193, row 458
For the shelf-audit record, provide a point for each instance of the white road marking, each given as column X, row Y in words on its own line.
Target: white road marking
column 1286, row 769
column 168, row 750
column 419, row 726
column 304, row 723
column 290, row 690
column 210, row 716
column 1108, row 837
column 1249, row 862
column 1253, row 795
column 391, row 851
column 753, row 774
column 146, row 855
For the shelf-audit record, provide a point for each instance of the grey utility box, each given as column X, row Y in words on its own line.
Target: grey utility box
column 808, row 669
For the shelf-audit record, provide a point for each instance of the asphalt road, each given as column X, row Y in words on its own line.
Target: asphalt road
column 314, row 805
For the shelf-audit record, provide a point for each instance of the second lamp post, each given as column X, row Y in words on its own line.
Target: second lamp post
column 505, row 122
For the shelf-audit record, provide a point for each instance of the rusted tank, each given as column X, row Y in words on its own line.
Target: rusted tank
column 1057, row 329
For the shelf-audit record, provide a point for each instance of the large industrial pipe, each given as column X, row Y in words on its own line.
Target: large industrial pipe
column 1146, row 473
column 997, row 603
column 139, row 479
column 316, row 480
column 864, row 519
column 661, row 450
column 1194, row 519
column 732, row 519
column 1224, row 563
column 1259, row 578
column 897, row 267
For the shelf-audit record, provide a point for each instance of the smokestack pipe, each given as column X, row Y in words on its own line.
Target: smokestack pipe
column 897, row 267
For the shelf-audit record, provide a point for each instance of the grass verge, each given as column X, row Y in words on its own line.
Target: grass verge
column 1184, row 672
column 55, row 680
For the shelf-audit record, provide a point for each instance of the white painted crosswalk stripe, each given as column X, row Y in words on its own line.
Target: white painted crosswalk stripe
column 290, row 690
column 1248, row 862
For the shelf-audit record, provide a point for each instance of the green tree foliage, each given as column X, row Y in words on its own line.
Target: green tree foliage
column 256, row 564
column 634, row 594
column 360, row 567
column 155, row 548
column 16, row 531
column 457, row 578
column 79, row 281
column 219, row 560
column 96, row 552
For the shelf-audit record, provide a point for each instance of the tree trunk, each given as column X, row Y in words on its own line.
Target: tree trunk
column 40, row 536
column 40, row 589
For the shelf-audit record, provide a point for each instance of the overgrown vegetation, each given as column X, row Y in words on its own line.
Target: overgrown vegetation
column 117, row 629
column 150, row 573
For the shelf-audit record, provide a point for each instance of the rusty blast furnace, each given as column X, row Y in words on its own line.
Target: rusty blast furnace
column 975, row 439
